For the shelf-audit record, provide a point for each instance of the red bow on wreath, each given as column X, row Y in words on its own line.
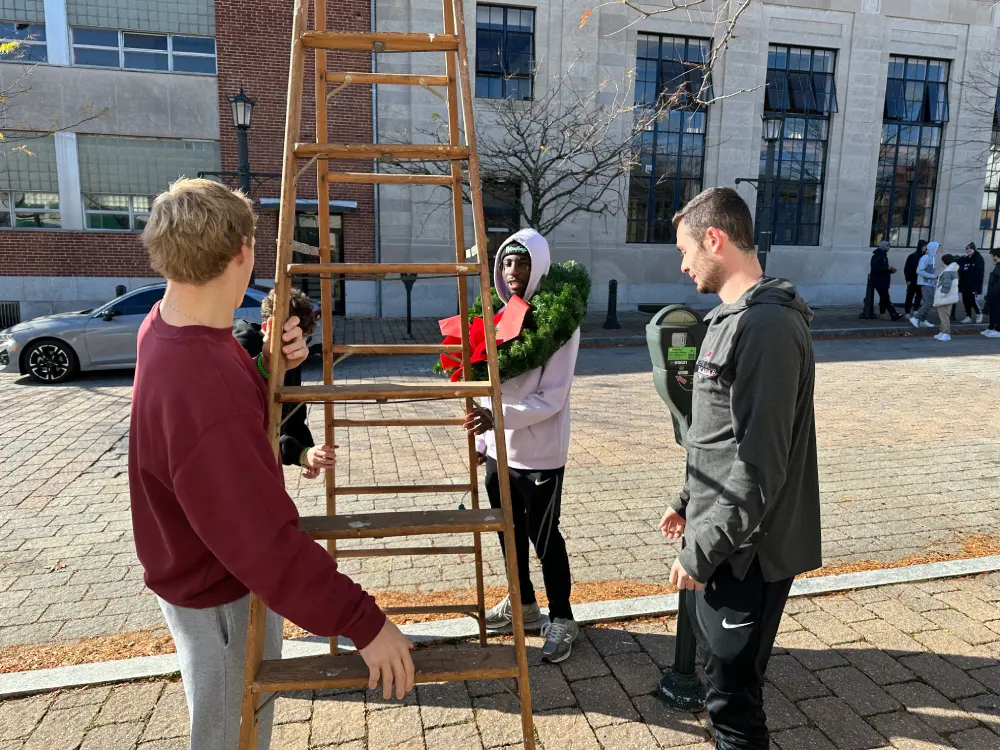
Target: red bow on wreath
column 508, row 324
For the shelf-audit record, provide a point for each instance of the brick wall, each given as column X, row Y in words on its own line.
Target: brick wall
column 253, row 41
column 48, row 253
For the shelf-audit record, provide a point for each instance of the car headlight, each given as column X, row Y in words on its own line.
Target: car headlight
column 6, row 339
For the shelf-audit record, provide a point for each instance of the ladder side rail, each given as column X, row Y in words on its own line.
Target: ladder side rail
column 475, row 186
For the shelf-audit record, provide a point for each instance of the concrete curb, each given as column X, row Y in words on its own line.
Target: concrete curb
column 45, row 680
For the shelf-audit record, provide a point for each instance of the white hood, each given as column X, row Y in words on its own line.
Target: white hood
column 538, row 249
column 932, row 248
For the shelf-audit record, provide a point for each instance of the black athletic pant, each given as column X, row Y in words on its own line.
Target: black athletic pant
column 536, row 498
column 884, row 304
column 993, row 309
column 735, row 624
column 914, row 297
column 971, row 308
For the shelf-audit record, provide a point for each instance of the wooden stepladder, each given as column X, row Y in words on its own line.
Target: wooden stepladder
column 340, row 670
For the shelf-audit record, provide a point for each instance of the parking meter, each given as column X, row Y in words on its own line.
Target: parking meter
column 674, row 337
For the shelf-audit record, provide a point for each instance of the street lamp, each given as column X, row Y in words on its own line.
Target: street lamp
column 772, row 127
column 242, row 106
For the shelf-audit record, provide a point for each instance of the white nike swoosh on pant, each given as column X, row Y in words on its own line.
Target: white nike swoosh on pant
column 539, row 483
column 728, row 626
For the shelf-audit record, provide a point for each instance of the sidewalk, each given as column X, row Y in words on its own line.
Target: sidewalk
column 911, row 667
column 830, row 322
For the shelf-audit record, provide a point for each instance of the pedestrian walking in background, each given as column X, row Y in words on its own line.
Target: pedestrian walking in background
column 970, row 282
column 913, row 294
column 946, row 295
column 926, row 277
column 881, row 275
column 993, row 297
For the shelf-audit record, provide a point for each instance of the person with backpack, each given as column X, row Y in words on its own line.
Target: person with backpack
column 946, row 295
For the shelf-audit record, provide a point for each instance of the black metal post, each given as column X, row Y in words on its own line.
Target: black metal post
column 120, row 290
column 680, row 687
column 612, row 320
column 868, row 311
column 408, row 279
column 243, row 171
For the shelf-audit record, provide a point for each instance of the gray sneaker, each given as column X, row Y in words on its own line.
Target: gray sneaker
column 559, row 636
column 502, row 615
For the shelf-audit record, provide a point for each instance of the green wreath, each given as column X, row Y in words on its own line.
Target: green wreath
column 557, row 310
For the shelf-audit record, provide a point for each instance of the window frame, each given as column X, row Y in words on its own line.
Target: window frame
column 903, row 113
column 131, row 212
column 122, row 49
column 43, row 43
column 651, row 229
column 780, row 86
column 503, row 77
column 13, row 212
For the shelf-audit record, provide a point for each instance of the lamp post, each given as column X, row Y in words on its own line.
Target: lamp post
column 772, row 126
column 242, row 107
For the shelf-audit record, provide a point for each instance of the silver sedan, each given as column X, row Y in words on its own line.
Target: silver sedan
column 54, row 348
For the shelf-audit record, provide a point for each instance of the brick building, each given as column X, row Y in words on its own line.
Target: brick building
column 137, row 93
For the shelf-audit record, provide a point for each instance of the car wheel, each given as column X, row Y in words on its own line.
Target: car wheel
column 51, row 361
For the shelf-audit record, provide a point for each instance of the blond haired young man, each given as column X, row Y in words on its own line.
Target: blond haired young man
column 210, row 514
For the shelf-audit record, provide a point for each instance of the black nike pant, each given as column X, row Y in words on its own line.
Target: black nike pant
column 536, row 500
column 914, row 297
column 735, row 624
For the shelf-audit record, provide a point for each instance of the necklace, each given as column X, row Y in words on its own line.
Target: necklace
column 181, row 312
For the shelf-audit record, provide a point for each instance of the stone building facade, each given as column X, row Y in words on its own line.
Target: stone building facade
column 883, row 133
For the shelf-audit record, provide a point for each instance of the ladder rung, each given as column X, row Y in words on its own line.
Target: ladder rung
column 404, row 551
column 328, row 394
column 384, row 151
column 396, row 79
column 389, row 178
column 432, row 609
column 395, row 489
column 380, row 269
column 397, row 349
column 402, row 422
column 380, row 41
column 408, row 523
column 350, row 670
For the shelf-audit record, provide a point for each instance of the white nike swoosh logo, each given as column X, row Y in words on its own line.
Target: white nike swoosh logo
column 729, row 626
column 539, row 483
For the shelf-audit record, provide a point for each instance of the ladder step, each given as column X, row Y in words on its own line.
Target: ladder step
column 395, row 489
column 409, row 523
column 328, row 394
column 380, row 41
column 380, row 269
column 397, row 79
column 350, row 670
column 404, row 551
column 388, row 178
column 397, row 349
column 402, row 422
column 439, row 609
column 385, row 151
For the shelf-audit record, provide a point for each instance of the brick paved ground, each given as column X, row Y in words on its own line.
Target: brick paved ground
column 911, row 667
column 909, row 455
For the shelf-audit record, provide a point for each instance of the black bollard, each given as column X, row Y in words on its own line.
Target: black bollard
column 680, row 687
column 408, row 279
column 868, row 311
column 612, row 320
column 120, row 290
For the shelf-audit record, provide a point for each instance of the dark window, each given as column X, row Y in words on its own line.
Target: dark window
column 505, row 52
column 140, row 303
column 23, row 42
column 126, row 49
column 916, row 108
column 800, row 86
column 501, row 213
column 29, row 210
column 988, row 217
column 668, row 170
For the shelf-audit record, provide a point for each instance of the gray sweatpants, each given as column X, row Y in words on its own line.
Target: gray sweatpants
column 211, row 646
column 926, row 302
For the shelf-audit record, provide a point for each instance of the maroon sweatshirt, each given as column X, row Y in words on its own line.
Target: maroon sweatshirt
column 210, row 514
